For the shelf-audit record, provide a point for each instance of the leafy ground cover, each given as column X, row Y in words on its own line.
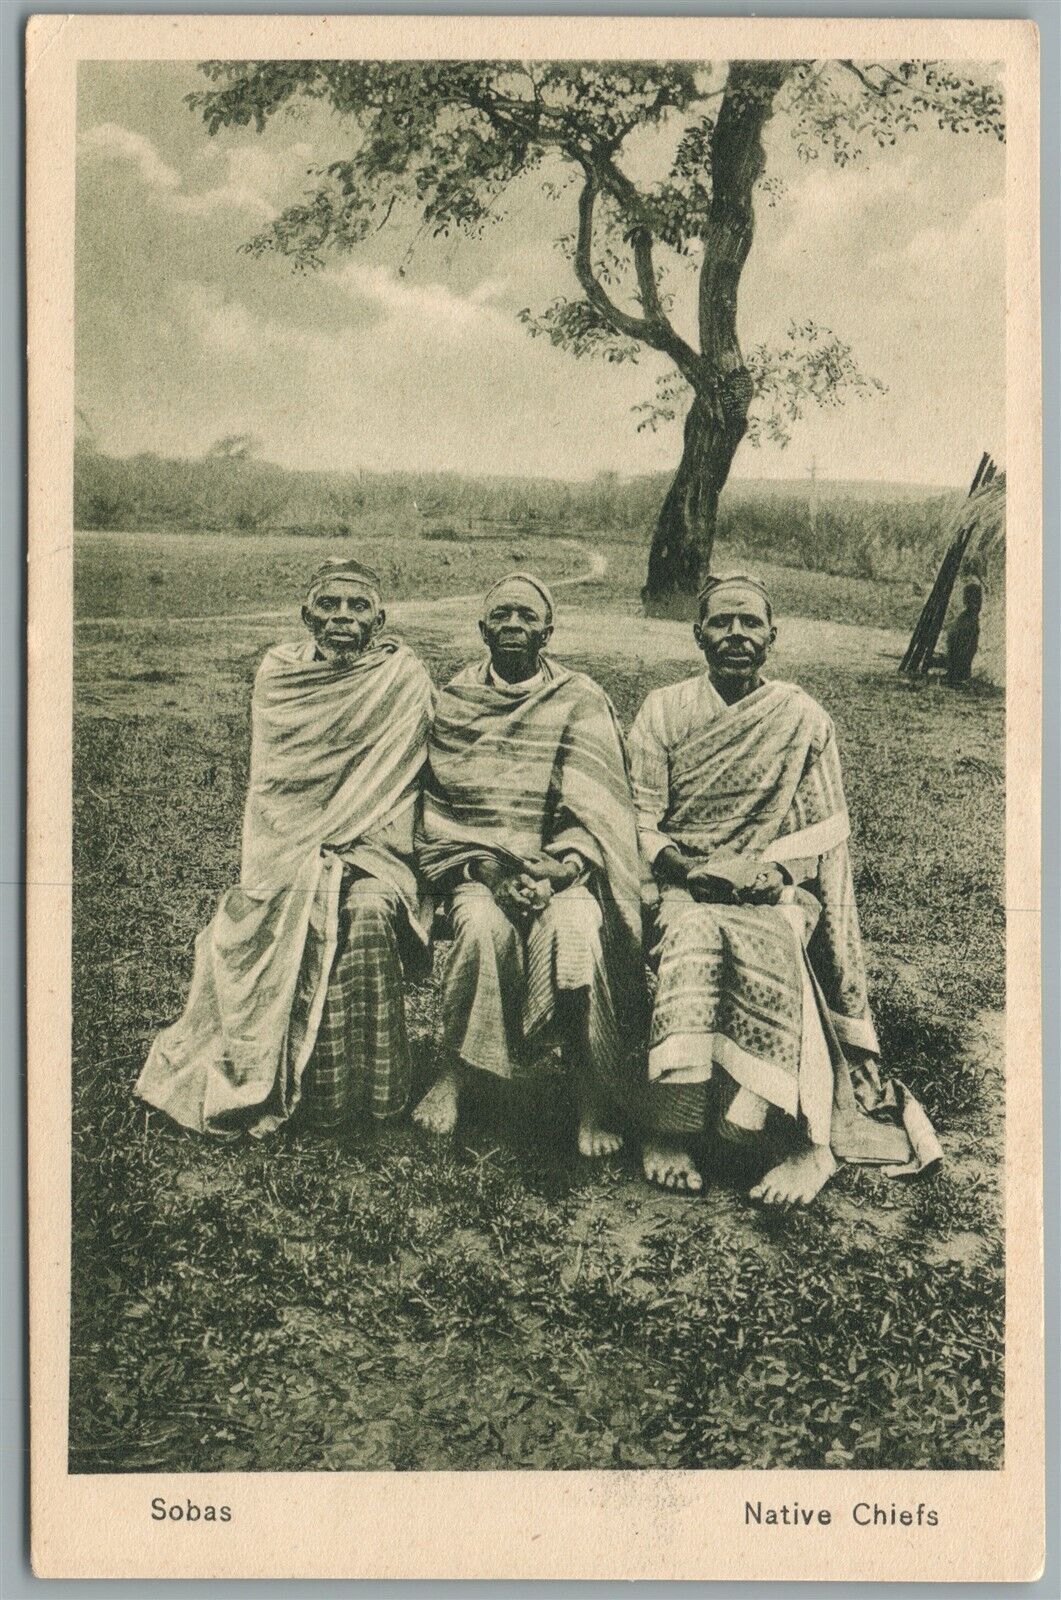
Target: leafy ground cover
column 501, row 1304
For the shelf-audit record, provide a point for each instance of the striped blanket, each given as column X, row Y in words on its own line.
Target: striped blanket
column 765, row 992
column 513, row 772
column 759, row 778
column 336, row 756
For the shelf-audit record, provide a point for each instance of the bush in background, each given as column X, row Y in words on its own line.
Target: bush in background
column 889, row 532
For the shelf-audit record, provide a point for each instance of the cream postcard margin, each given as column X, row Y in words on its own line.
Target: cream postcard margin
column 622, row 1524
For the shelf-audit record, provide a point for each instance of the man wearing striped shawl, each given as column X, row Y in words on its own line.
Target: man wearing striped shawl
column 761, row 976
column 296, row 994
column 530, row 834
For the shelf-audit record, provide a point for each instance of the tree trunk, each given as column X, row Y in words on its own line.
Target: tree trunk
column 680, row 556
column 722, row 390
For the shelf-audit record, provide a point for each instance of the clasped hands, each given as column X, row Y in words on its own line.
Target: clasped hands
column 528, row 892
column 703, row 884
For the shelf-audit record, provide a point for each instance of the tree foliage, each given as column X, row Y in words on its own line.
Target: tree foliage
column 663, row 162
column 234, row 447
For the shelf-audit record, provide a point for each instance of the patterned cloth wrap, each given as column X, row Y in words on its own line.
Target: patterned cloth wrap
column 771, row 993
column 516, row 771
column 361, row 1066
column 336, row 757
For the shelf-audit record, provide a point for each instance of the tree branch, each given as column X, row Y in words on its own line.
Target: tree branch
column 592, row 288
column 737, row 162
column 867, row 83
column 647, row 287
column 652, row 329
column 662, row 334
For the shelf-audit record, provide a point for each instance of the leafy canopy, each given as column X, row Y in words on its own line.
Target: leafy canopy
column 445, row 140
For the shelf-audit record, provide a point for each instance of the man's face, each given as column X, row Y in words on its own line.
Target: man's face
column 515, row 627
column 343, row 616
column 735, row 633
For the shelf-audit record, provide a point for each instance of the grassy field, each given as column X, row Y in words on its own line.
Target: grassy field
column 127, row 575
column 157, row 574
column 502, row 1304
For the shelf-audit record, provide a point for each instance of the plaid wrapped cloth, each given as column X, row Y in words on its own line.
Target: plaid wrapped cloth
column 514, row 772
column 771, row 993
column 360, row 1065
column 336, row 755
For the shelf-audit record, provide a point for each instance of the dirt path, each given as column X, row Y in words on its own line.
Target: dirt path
column 581, row 631
column 598, row 566
column 585, row 633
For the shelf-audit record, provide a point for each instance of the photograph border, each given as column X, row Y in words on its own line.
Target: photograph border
column 647, row 1527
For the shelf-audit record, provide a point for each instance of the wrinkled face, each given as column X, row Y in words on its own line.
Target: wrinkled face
column 515, row 627
column 343, row 616
column 735, row 633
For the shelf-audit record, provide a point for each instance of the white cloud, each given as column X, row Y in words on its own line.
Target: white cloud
column 427, row 307
column 229, row 197
column 109, row 141
column 253, row 179
column 826, row 208
column 227, row 327
column 974, row 247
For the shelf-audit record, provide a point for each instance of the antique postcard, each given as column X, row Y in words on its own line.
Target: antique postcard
column 533, row 795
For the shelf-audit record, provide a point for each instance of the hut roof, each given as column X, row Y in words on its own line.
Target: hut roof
column 982, row 519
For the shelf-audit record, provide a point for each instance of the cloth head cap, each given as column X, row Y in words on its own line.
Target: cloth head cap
column 343, row 567
column 523, row 577
column 712, row 584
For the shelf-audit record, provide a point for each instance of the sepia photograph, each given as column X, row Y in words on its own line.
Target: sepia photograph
column 537, row 534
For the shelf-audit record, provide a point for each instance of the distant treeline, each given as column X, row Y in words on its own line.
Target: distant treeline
column 873, row 531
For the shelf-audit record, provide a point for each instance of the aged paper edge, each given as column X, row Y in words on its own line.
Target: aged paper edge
column 646, row 1524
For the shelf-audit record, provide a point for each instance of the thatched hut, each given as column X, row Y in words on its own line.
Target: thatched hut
column 975, row 550
column 983, row 518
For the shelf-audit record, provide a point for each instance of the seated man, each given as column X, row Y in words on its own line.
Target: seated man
column 530, row 833
column 743, row 820
column 963, row 637
column 297, row 988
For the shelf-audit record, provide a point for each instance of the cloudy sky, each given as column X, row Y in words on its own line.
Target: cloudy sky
column 181, row 339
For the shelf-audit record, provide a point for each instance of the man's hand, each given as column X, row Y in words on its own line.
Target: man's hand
column 543, row 876
column 517, row 894
column 488, row 871
column 520, row 897
column 706, row 886
column 765, row 891
column 711, row 887
column 546, row 869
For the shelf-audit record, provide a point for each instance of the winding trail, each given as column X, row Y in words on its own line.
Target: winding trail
column 581, row 632
column 598, row 566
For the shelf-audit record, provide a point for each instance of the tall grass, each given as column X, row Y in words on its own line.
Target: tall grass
column 881, row 532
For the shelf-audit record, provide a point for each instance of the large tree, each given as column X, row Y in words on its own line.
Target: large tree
column 446, row 139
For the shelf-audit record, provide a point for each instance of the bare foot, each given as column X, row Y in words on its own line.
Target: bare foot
column 437, row 1111
column 795, row 1182
column 594, row 1139
column 669, row 1165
